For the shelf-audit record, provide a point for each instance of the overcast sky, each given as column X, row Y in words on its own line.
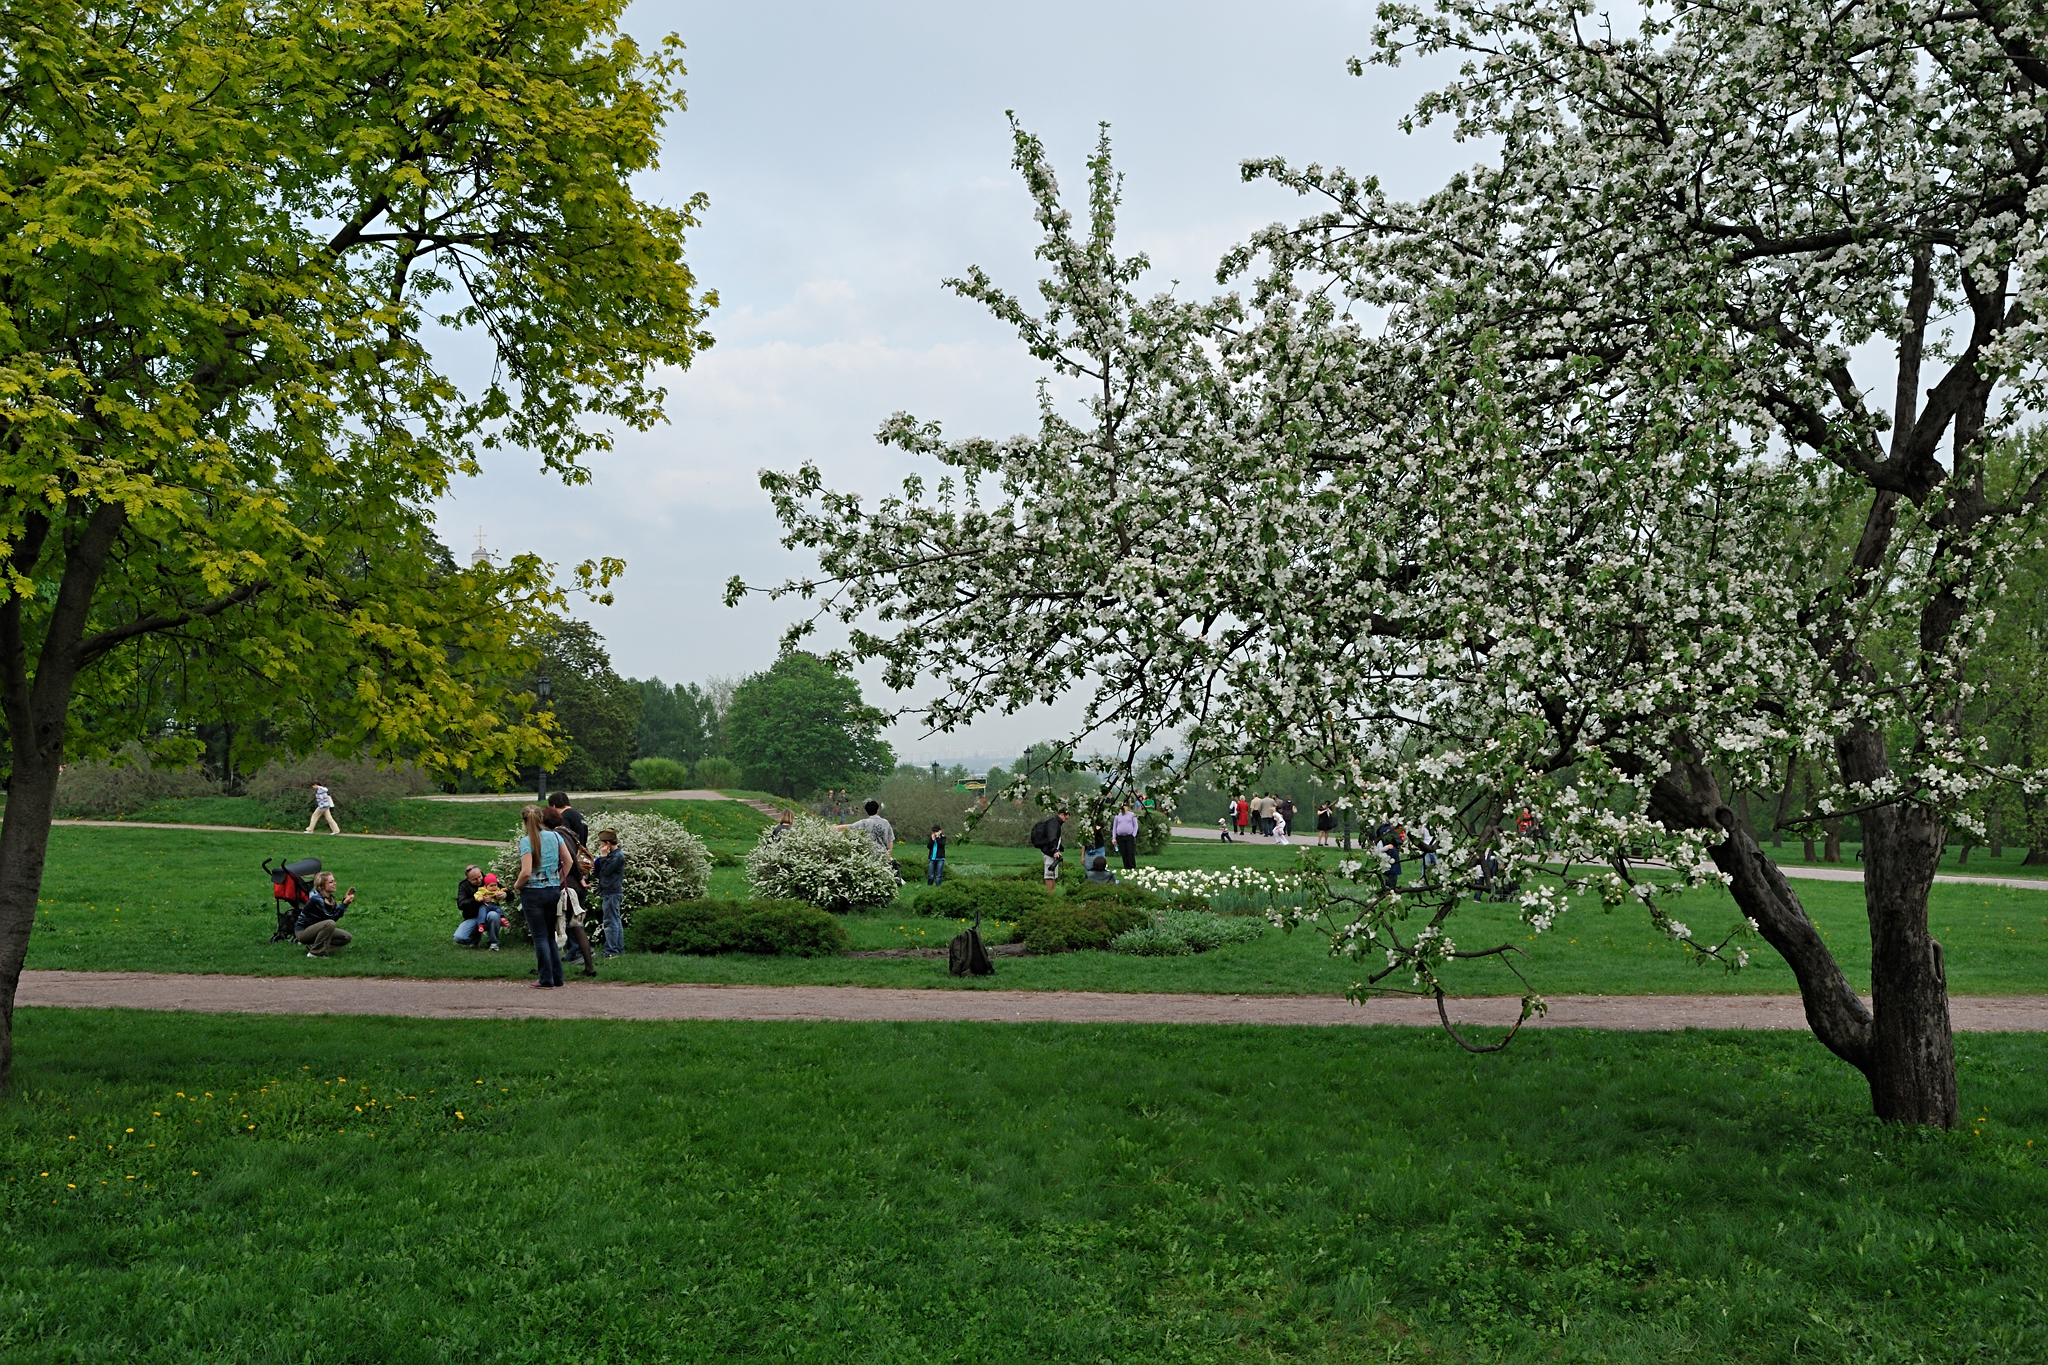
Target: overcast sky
column 856, row 155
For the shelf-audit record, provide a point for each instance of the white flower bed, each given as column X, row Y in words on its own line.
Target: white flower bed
column 1206, row 884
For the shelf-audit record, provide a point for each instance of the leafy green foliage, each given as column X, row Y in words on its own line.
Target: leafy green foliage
column 802, row 725
column 707, row 927
column 681, row 722
column 227, row 233
column 598, row 711
column 1057, row 926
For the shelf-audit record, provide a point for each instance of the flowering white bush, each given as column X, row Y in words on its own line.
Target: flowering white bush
column 834, row 869
column 665, row 863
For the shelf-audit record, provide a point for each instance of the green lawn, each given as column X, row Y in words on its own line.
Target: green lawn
column 343, row 1190
column 161, row 900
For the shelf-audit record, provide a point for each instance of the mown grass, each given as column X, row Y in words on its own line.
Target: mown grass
column 197, row 901
column 328, row 1190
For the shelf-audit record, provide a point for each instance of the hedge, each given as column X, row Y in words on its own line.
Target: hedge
column 1057, row 926
column 706, row 927
column 992, row 898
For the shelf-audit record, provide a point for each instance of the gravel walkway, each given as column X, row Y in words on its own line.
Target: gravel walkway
column 253, row 829
column 446, row 999
column 1811, row 874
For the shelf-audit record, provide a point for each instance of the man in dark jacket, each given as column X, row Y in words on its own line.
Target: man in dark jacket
column 610, row 876
column 572, row 819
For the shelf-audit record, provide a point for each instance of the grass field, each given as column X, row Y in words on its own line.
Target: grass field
column 341, row 1190
column 162, row 900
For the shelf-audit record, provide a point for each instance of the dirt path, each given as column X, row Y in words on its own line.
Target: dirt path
column 1812, row 874
column 256, row 829
column 578, row 1000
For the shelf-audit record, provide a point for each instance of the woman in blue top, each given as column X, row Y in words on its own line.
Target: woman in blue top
column 543, row 860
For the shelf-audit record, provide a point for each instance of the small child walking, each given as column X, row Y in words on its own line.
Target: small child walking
column 323, row 808
column 610, row 874
column 935, row 875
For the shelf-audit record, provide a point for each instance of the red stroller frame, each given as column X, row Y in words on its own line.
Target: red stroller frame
column 290, row 884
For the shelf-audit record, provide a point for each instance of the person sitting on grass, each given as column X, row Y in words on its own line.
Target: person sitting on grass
column 476, row 898
column 1098, row 871
column 318, row 926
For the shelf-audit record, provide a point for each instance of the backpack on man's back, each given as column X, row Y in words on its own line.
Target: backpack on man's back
column 1045, row 835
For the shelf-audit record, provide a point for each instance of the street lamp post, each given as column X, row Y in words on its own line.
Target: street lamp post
column 542, row 690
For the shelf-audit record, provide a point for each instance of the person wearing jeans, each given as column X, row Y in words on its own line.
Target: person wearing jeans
column 1124, row 829
column 610, row 877
column 318, row 927
column 543, row 857
column 935, row 853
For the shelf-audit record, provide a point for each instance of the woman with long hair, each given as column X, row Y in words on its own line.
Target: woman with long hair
column 542, row 857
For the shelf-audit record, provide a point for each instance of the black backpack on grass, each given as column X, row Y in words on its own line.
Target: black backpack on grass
column 967, row 957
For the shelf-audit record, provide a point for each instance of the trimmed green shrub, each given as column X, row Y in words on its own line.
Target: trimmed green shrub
column 1179, row 932
column 991, row 897
column 717, row 774
column 706, row 927
column 658, row 774
column 1060, row 925
column 1123, row 893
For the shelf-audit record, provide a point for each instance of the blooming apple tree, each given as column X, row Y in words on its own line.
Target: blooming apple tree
column 1545, row 511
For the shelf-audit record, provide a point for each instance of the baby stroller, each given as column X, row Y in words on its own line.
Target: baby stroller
column 290, row 884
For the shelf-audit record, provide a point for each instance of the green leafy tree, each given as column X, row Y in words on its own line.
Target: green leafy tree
column 225, row 232
column 597, row 710
column 679, row 721
column 802, row 725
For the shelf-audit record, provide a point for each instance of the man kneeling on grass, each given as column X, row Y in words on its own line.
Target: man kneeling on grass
column 318, row 926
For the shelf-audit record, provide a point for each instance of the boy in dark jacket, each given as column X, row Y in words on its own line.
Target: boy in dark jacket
column 610, row 877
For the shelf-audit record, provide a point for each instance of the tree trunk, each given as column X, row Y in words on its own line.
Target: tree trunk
column 1901, row 1040
column 24, row 844
column 37, row 704
column 1912, row 1069
column 1831, row 849
column 2037, row 856
column 1963, row 858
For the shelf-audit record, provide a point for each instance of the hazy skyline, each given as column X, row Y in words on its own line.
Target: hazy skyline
column 854, row 159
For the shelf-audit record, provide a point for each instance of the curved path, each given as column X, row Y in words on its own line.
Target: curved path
column 1797, row 870
column 468, row 999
